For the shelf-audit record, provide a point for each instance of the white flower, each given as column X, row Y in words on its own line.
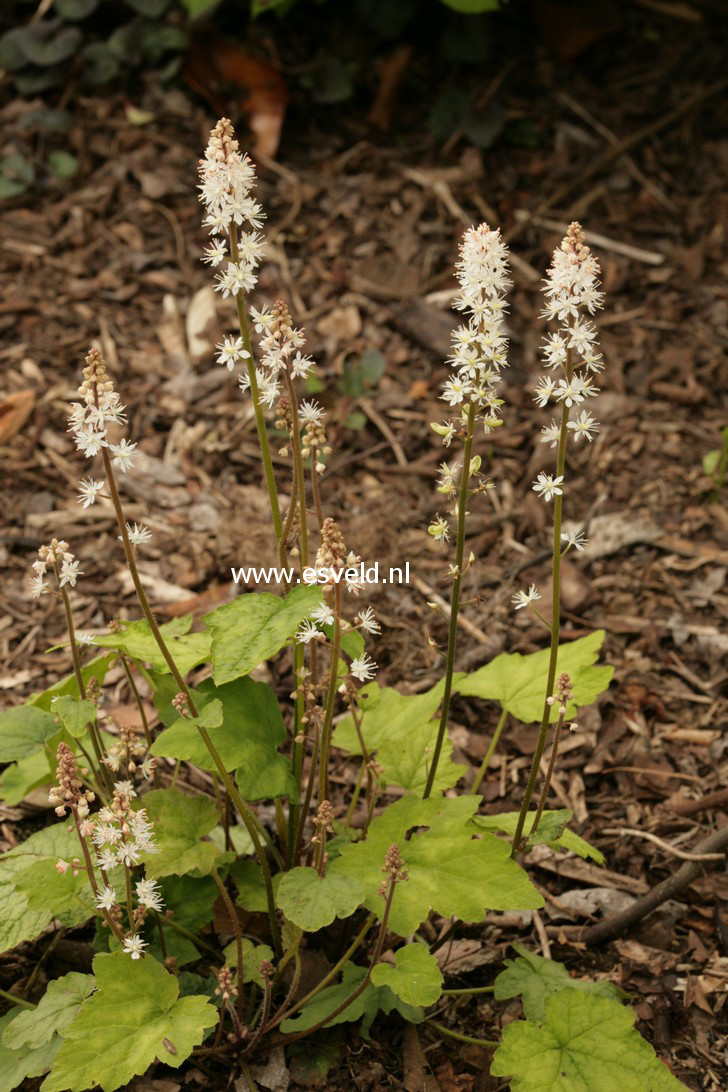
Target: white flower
column 88, row 490
column 125, row 788
column 261, row 319
column 106, row 898
column 301, row 366
column 148, row 894
column 70, row 573
column 123, row 454
column 147, row 767
column 544, row 391
column 85, row 638
column 362, row 668
column 307, row 631
column 310, row 413
column 455, row 390
column 230, row 351
column 139, row 535
column 522, row 599
column 134, row 946
column 583, row 425
column 215, row 253
column 323, row 614
column 62, row 866
column 440, row 530
column 368, row 622
column 107, row 859
column 548, row 486
column 38, row 586
column 551, row 434
column 576, row 539
column 90, row 443
column 129, row 854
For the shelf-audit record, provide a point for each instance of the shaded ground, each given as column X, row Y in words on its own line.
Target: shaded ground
column 363, row 229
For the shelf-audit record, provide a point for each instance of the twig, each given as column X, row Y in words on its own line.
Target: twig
column 617, row 150
column 681, row 853
column 668, row 889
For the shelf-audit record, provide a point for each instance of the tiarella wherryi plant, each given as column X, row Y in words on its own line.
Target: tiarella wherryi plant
column 172, row 876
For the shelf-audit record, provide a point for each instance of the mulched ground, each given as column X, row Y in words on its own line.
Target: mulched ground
column 363, row 229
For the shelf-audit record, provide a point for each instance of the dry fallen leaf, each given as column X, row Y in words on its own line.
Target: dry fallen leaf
column 14, row 412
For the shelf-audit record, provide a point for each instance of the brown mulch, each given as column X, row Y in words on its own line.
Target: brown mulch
column 363, row 228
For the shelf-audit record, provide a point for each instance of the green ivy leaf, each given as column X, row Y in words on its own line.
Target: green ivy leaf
column 49, row 43
column 552, row 831
column 57, row 1009
column 450, row 871
column 100, row 1047
column 74, row 715
column 188, row 650
column 17, row 173
column 23, row 731
column 18, row 921
column 312, row 901
column 518, row 682
column 585, row 1043
column 254, row 627
column 180, row 823
column 253, row 956
column 371, row 1000
column 16, row 1065
column 415, row 977
column 534, row 979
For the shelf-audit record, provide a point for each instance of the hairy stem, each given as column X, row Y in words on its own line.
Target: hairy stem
column 330, row 700
column 270, row 480
column 455, row 600
column 243, row 809
column 489, row 753
column 554, row 650
column 549, row 773
column 232, row 914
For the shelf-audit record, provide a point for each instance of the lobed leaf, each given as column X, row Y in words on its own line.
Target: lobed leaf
column 180, row 824
column 450, row 870
column 23, row 731
column 518, row 682
column 134, row 1017
column 312, row 901
column 370, row 1001
column 253, row 956
column 253, row 627
column 74, row 715
column 415, row 977
column 57, row 1009
column 585, row 1043
column 17, row 1064
column 187, row 649
column 534, row 979
column 552, row 831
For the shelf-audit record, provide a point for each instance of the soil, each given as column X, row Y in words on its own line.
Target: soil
column 365, row 209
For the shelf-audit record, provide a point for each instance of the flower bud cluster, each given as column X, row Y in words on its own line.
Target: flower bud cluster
column 340, row 567
column 58, row 558
column 394, row 869
column 129, row 750
column 99, row 407
column 564, row 694
column 70, row 791
column 280, row 345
